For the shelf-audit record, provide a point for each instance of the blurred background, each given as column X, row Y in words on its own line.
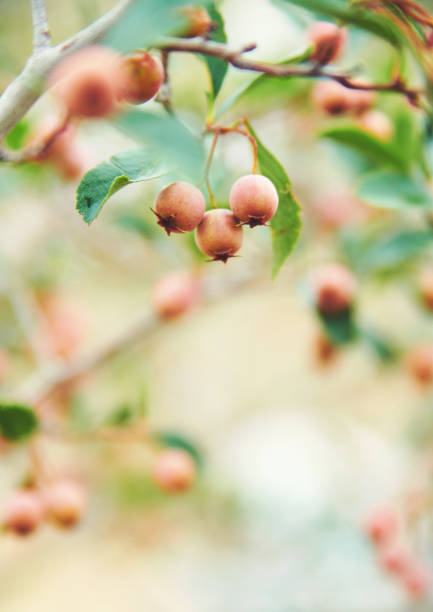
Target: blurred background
column 295, row 450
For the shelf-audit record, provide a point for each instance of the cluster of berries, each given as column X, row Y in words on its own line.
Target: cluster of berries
column 180, row 207
column 63, row 502
column 383, row 527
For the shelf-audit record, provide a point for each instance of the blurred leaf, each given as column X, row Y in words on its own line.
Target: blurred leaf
column 122, row 415
column 341, row 328
column 17, row 422
column 100, row 183
column 134, row 223
column 373, row 254
column 350, row 13
column 377, row 151
column 389, row 190
column 145, row 21
column 383, row 347
column 217, row 67
column 167, row 138
column 176, row 440
column 18, row 134
column 286, row 224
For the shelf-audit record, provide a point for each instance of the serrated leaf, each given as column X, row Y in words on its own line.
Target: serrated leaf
column 217, row 67
column 376, row 151
column 340, row 328
column 17, row 422
column 177, row 440
column 100, row 183
column 396, row 191
column 286, row 224
column 167, row 138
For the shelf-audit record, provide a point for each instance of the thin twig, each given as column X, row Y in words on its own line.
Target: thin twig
column 41, row 29
column 237, row 59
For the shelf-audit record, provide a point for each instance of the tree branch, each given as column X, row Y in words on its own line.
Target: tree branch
column 237, row 59
column 22, row 92
column 41, row 30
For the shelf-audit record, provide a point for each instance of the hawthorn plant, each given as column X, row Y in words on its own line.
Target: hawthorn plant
column 119, row 69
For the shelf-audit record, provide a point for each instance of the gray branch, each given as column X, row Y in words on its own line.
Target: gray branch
column 41, row 30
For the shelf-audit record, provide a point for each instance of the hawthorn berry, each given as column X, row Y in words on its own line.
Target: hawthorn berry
column 382, row 525
column 334, row 289
column 143, row 76
column 417, row 582
column 328, row 42
column 394, row 559
column 23, row 512
column 89, row 82
column 325, row 351
column 219, row 235
column 173, row 470
column 65, row 502
column 331, row 97
column 198, row 21
column 420, row 363
column 253, row 200
column 175, row 294
column 179, row 207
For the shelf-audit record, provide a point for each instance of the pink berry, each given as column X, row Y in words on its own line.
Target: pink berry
column 382, row 525
column 89, row 81
column 198, row 22
column 426, row 287
column 144, row 75
column 417, row 582
column 219, row 235
column 253, row 199
column 420, row 363
column 394, row 559
column 173, row 470
column 23, row 512
column 328, row 42
column 334, row 289
column 179, row 207
column 175, row 294
column 66, row 502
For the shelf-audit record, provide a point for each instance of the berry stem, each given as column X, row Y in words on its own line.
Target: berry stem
column 207, row 169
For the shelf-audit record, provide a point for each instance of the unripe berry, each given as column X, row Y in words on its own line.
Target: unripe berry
column 198, row 22
column 328, row 42
column 376, row 123
column 420, row 363
column 253, row 199
column 334, row 289
column 426, row 287
column 89, row 82
column 175, row 294
column 417, row 582
column 394, row 559
column 65, row 502
column 23, row 512
column 382, row 526
column 360, row 100
column 64, row 323
column 179, row 207
column 173, row 470
column 219, row 235
column 331, row 97
column 144, row 75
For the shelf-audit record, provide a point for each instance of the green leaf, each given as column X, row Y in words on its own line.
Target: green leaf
column 286, row 224
column 176, row 440
column 167, row 138
column 341, row 328
column 145, row 21
column 217, row 67
column 134, row 223
column 376, row 151
column 382, row 346
column 350, row 13
column 123, row 415
column 17, row 422
column 100, row 183
column 396, row 191
column 18, row 134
